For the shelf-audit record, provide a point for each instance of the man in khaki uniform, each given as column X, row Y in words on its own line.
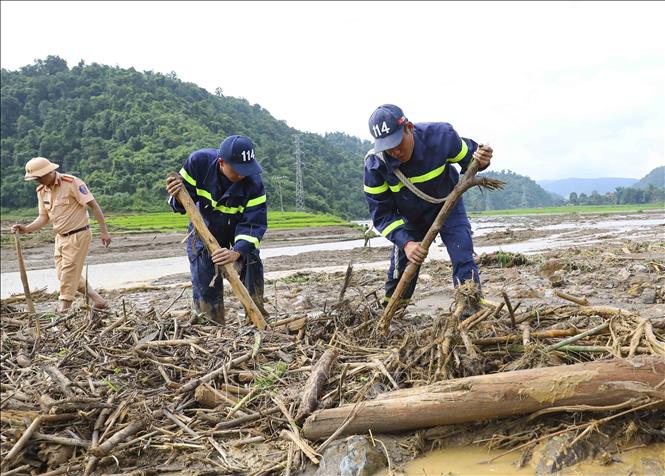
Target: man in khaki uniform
column 64, row 201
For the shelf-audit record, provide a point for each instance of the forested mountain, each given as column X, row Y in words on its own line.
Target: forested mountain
column 518, row 192
column 122, row 131
column 564, row 187
column 656, row 178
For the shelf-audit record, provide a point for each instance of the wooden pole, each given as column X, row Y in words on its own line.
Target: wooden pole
column 504, row 394
column 314, row 385
column 211, row 243
column 24, row 274
column 469, row 180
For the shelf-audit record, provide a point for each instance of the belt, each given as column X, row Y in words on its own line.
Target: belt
column 75, row 231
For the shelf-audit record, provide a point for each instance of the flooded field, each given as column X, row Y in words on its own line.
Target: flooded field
column 119, row 267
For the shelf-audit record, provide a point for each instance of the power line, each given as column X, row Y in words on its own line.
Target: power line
column 300, row 191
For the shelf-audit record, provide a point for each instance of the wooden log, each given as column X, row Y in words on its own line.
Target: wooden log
column 314, row 385
column 211, row 243
column 462, row 186
column 492, row 396
column 24, row 276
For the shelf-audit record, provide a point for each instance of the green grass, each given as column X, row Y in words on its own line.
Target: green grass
column 574, row 209
column 167, row 221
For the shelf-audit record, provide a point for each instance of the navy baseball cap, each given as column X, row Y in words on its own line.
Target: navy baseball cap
column 239, row 152
column 386, row 124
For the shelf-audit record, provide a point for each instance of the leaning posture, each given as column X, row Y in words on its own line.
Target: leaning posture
column 407, row 174
column 64, row 200
column 226, row 185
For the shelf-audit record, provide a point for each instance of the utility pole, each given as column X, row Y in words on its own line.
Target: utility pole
column 300, row 191
column 279, row 179
column 524, row 201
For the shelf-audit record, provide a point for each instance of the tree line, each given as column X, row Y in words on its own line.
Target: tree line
column 621, row 196
column 122, row 131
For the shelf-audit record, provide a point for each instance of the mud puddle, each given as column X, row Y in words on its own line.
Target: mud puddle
column 471, row 461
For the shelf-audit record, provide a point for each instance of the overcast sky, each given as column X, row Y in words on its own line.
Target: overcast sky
column 558, row 89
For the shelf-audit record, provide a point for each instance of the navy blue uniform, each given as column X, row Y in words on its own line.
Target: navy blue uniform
column 236, row 215
column 401, row 216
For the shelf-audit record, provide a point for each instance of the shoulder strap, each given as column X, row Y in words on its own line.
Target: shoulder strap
column 407, row 183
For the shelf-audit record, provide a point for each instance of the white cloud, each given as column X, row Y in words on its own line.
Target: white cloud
column 559, row 89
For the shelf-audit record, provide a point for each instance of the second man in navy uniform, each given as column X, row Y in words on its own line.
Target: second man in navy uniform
column 423, row 155
column 226, row 185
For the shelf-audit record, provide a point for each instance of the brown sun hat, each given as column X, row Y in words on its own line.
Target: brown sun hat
column 38, row 167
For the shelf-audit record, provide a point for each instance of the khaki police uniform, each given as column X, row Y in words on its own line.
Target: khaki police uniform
column 66, row 205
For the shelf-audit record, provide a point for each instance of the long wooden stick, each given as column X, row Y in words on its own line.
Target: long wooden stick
column 24, row 274
column 462, row 186
column 211, row 243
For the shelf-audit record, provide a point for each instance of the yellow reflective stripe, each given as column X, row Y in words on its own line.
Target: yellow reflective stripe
column 396, row 188
column 256, row 201
column 206, row 194
column 249, row 238
column 428, row 176
column 376, row 190
column 230, row 210
column 187, row 177
column 392, row 226
column 462, row 153
column 432, row 174
column 199, row 191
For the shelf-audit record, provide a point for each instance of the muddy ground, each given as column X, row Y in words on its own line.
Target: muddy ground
column 38, row 247
column 619, row 271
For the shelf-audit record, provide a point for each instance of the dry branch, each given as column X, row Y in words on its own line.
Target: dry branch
column 314, row 385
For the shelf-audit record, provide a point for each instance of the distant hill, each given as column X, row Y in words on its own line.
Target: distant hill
column 122, row 130
column 564, row 187
column 519, row 192
column 656, row 178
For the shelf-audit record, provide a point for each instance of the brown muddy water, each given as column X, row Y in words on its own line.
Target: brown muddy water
column 471, row 461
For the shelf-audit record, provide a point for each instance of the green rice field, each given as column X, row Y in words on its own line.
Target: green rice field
column 630, row 208
column 167, row 221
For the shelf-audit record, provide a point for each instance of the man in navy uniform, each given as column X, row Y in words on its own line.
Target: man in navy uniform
column 226, row 185
column 407, row 173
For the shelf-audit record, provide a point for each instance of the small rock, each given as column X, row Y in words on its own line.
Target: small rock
column 557, row 279
column 353, row 456
column 640, row 268
column 648, row 296
column 557, row 453
column 623, row 275
column 24, row 361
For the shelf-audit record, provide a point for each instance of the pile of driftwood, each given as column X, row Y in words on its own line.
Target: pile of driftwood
column 160, row 391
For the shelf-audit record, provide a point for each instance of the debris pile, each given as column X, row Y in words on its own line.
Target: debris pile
column 160, row 390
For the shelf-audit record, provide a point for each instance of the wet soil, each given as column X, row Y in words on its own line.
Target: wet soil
column 38, row 247
column 625, row 271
